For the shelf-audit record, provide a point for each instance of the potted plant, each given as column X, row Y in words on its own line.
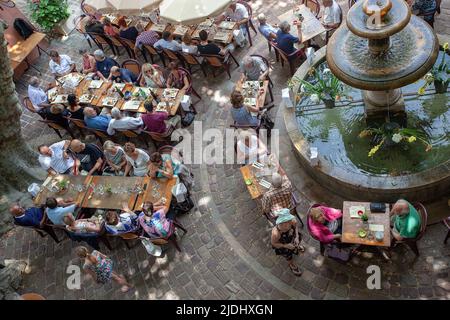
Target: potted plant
column 439, row 75
column 390, row 135
column 49, row 13
column 62, row 186
column 108, row 189
column 324, row 86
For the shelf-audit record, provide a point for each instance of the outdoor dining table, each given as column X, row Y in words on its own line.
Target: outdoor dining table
column 259, row 94
column 254, row 176
column 311, row 26
column 377, row 221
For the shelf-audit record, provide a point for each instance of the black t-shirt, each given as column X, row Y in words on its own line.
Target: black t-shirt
column 210, row 48
column 77, row 114
column 95, row 28
column 93, row 152
column 130, row 33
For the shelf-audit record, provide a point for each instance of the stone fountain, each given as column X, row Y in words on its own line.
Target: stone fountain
column 382, row 48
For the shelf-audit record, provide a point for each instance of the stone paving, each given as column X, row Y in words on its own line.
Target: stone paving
column 226, row 253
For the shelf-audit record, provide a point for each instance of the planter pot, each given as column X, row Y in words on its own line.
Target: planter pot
column 440, row 87
column 329, row 103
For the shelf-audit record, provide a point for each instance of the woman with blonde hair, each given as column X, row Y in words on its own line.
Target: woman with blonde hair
column 100, row 267
column 137, row 160
column 115, row 158
column 325, row 223
column 151, row 77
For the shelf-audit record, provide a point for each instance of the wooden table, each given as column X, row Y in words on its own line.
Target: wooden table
column 70, row 193
column 212, row 31
column 250, row 172
column 311, row 26
column 155, row 190
column 20, row 51
column 351, row 226
column 260, row 98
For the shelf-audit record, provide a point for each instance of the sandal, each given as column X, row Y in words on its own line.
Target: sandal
column 301, row 248
column 296, row 271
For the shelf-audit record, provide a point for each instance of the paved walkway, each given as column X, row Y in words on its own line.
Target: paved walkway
column 227, row 253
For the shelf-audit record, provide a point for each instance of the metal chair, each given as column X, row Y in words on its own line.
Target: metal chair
column 129, row 46
column 412, row 243
column 161, row 138
column 146, row 48
column 173, row 56
column 57, row 128
column 249, row 23
column 130, row 134
column 191, row 61
column 171, row 237
column 132, row 65
column 29, row 105
column 220, row 62
column 191, row 88
column 45, row 230
column 102, row 41
column 288, row 58
column 80, row 28
column 313, row 5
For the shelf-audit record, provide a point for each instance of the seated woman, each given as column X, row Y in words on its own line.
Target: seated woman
column 75, row 110
column 115, row 158
column 153, row 219
column 82, row 225
column 130, row 33
column 162, row 166
column 242, row 114
column 286, row 238
column 325, row 224
column 125, row 222
column 152, row 77
column 177, row 78
column 89, row 62
column 137, row 160
column 109, row 28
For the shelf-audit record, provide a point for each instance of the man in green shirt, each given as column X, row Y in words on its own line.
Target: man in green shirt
column 407, row 220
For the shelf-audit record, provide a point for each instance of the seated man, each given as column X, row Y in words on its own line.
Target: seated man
column 279, row 196
column 325, row 224
column 37, row 95
column 331, row 14
column 31, row 217
column 92, row 156
column 167, row 43
column 254, row 69
column 153, row 219
column 208, row 48
column 58, row 209
column 407, row 220
column 60, row 65
column 238, row 13
column 269, row 32
column 120, row 123
column 55, row 159
column 149, row 37
column 285, row 41
column 158, row 121
column 82, row 225
column 103, row 64
column 125, row 222
column 122, row 75
column 94, row 121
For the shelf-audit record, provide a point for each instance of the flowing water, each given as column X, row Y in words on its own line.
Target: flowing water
column 335, row 132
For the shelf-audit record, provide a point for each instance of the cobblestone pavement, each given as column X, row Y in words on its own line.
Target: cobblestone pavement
column 226, row 253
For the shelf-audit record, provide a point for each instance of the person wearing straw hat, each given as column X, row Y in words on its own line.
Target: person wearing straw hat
column 286, row 238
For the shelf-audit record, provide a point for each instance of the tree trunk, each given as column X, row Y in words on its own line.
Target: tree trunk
column 18, row 163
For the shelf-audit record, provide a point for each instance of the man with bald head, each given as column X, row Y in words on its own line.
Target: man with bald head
column 122, row 75
column 95, row 121
column 91, row 156
column 31, row 217
column 279, row 196
column 407, row 221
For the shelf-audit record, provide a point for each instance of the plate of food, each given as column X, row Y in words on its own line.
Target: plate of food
column 181, row 30
column 250, row 101
column 170, row 93
column 61, row 98
column 221, row 36
column 131, row 105
column 162, row 107
column 109, row 102
column 86, row 98
column 52, row 93
column 158, row 27
column 250, row 84
column 228, row 25
column 206, row 24
column 95, row 84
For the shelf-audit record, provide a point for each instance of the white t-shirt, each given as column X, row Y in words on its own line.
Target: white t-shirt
column 126, row 123
column 61, row 68
column 239, row 14
column 37, row 96
column 56, row 161
column 332, row 14
column 140, row 165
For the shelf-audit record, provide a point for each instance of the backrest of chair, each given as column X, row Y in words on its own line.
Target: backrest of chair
column 150, row 49
column 79, row 123
column 248, row 7
column 264, row 59
column 28, row 104
column 100, row 133
column 214, row 60
column 100, row 38
column 77, row 23
column 53, row 125
column 188, row 75
column 128, row 43
column 314, row 6
column 190, row 58
column 88, row 9
column 132, row 65
column 115, row 41
column 129, row 133
column 423, row 219
column 282, row 54
column 171, row 54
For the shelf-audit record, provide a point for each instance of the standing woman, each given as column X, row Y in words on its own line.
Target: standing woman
column 100, row 267
column 177, row 78
column 152, row 77
column 286, row 238
column 137, row 159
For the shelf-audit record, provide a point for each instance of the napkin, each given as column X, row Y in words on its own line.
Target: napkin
column 376, row 227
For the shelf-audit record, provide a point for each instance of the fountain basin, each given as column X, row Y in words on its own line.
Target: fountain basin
column 430, row 182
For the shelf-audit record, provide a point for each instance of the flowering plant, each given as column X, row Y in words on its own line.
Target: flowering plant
column 324, row 86
column 391, row 134
column 48, row 13
column 439, row 73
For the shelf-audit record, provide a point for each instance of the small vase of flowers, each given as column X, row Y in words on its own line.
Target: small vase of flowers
column 439, row 75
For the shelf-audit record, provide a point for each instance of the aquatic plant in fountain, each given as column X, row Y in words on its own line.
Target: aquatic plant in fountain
column 439, row 75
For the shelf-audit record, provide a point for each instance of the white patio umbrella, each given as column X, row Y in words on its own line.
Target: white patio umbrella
column 191, row 11
column 130, row 7
column 102, row 6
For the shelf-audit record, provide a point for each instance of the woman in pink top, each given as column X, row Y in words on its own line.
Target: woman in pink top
column 325, row 223
column 89, row 63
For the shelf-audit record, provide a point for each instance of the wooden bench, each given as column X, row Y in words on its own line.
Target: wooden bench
column 20, row 51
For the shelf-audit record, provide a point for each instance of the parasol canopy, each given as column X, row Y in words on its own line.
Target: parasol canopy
column 192, row 11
